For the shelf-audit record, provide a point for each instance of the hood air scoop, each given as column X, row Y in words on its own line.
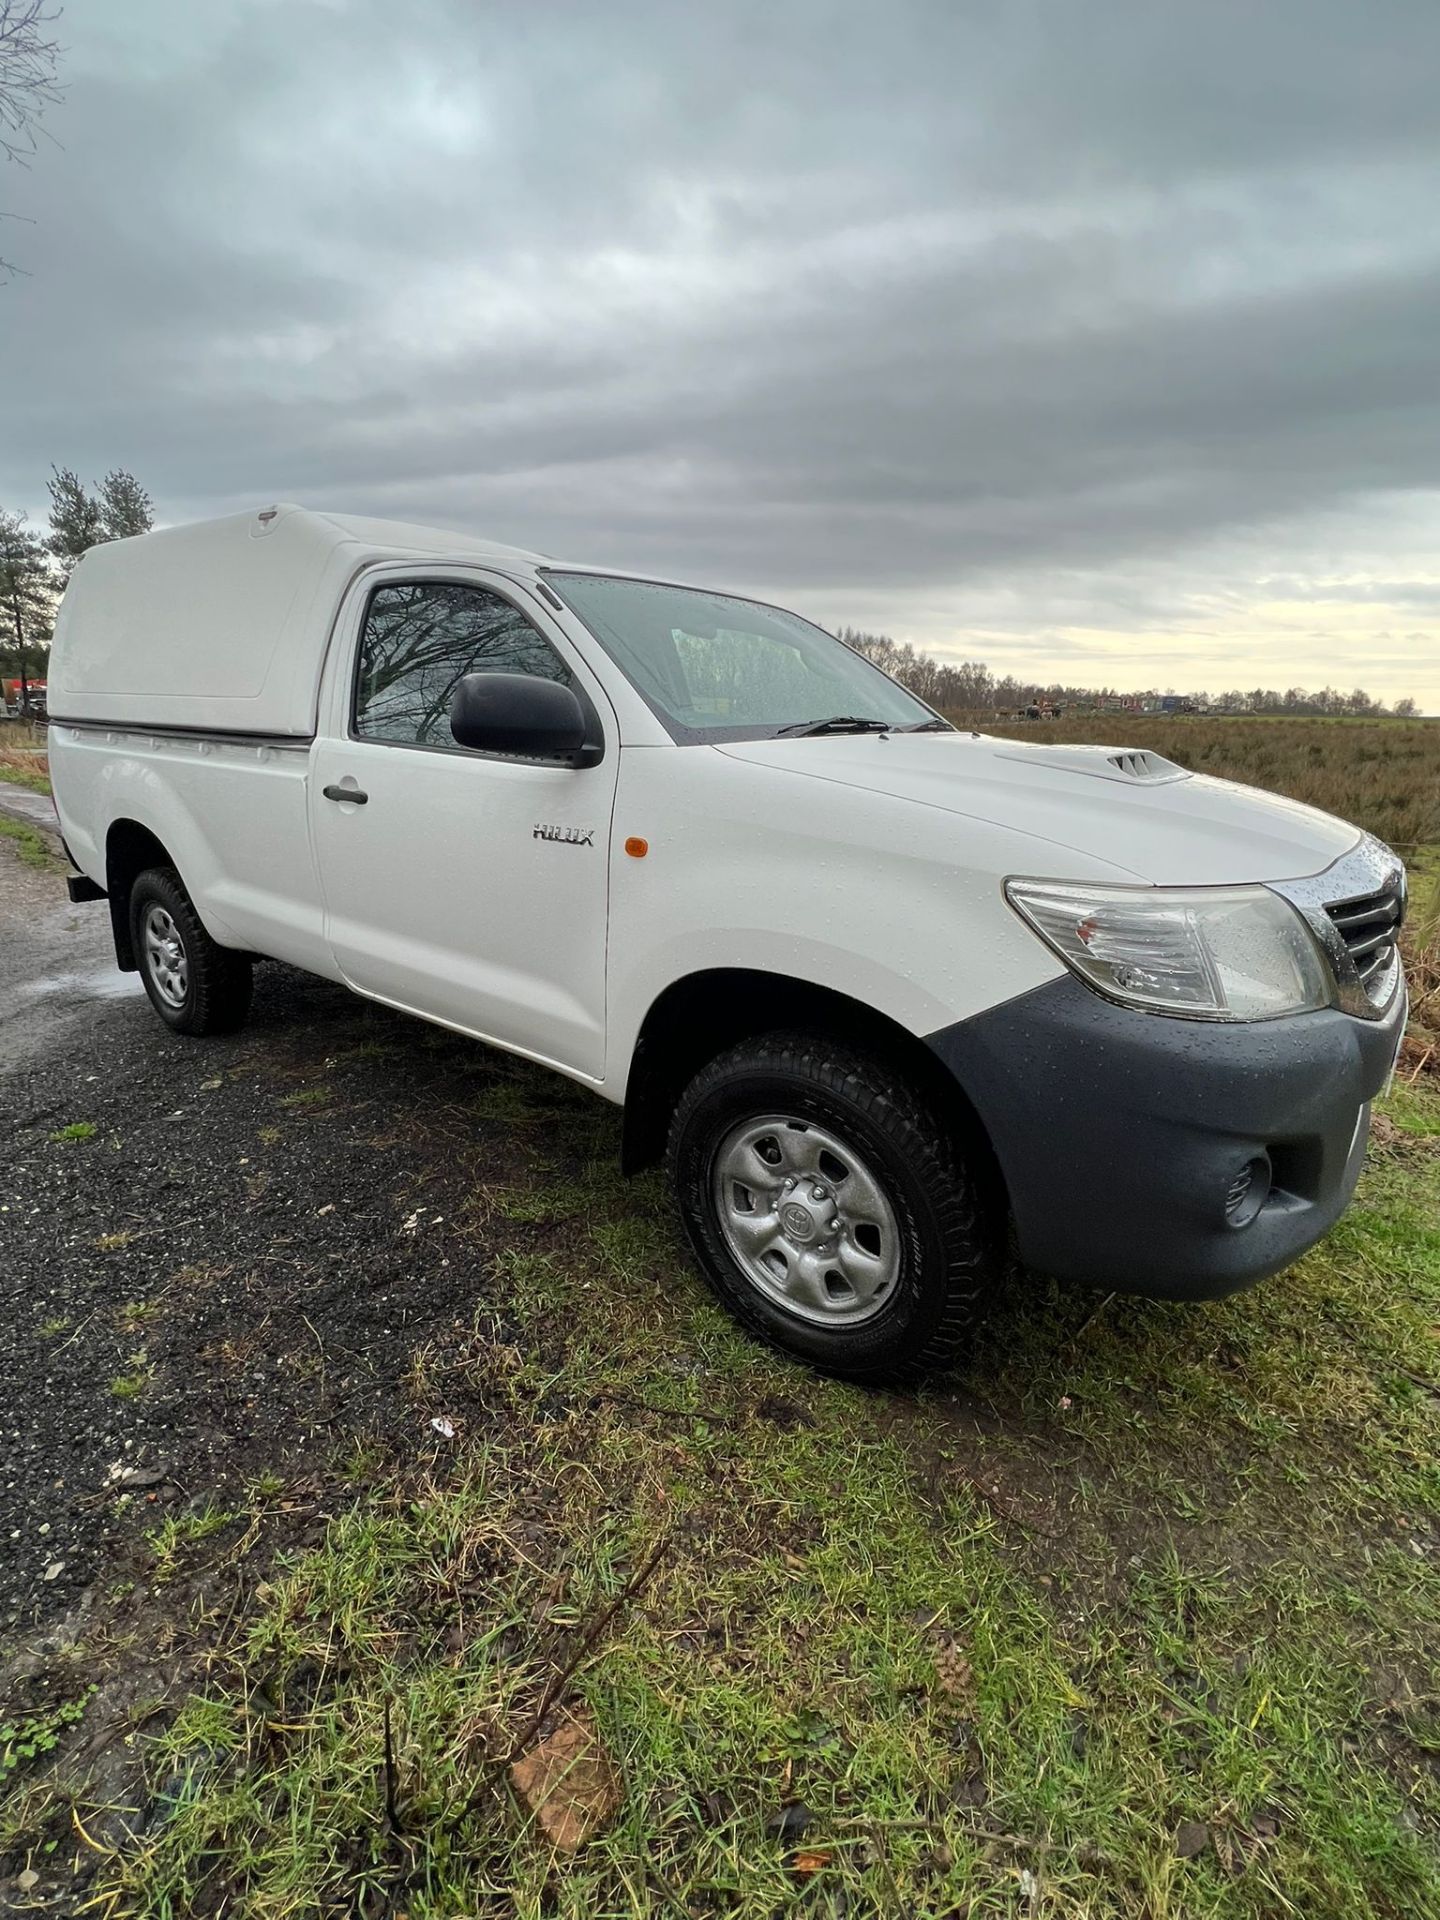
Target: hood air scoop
column 1134, row 765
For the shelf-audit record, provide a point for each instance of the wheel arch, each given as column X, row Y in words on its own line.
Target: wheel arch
column 130, row 849
column 700, row 1015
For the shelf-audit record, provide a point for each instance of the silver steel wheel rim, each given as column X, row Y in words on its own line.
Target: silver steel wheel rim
column 165, row 957
column 806, row 1220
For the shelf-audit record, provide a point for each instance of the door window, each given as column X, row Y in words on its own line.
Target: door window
column 420, row 639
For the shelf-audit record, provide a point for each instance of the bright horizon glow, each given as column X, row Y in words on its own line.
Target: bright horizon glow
column 1103, row 357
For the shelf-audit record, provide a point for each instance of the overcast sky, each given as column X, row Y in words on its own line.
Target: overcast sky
column 1096, row 341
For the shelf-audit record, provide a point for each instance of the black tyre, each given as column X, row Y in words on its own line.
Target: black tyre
column 195, row 985
column 830, row 1210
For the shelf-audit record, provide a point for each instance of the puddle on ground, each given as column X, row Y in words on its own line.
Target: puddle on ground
column 105, row 983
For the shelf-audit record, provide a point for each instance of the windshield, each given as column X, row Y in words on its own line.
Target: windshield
column 715, row 667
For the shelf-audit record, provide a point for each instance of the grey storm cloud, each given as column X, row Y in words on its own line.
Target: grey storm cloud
column 1014, row 324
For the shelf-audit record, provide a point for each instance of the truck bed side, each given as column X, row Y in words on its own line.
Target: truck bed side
column 230, row 813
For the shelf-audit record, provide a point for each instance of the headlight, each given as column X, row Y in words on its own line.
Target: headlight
column 1208, row 953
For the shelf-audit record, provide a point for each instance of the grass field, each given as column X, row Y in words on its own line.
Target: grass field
column 23, row 768
column 1135, row 1618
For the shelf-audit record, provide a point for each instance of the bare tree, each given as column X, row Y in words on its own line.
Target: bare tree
column 28, row 87
column 28, row 59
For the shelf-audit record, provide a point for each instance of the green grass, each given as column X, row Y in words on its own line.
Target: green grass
column 30, row 1736
column 504, row 1103
column 170, row 1541
column 132, row 1385
column 1137, row 1566
column 77, row 1130
column 16, row 774
column 306, row 1097
column 29, row 846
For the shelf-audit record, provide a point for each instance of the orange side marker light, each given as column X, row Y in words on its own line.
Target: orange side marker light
column 636, row 847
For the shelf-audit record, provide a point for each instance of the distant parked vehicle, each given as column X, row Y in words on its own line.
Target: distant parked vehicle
column 876, row 987
column 22, row 700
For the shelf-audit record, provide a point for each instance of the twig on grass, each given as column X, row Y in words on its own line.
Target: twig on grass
column 584, row 1643
column 1088, row 1322
column 666, row 1413
column 872, row 1834
column 659, row 1884
column 392, row 1811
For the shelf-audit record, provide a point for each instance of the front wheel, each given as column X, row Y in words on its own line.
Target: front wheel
column 829, row 1209
column 195, row 985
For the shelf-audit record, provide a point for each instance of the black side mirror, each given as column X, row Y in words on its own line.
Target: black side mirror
column 521, row 714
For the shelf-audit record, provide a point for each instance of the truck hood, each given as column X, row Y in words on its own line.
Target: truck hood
column 1128, row 810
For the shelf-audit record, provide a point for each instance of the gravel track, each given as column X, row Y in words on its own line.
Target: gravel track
column 230, row 1272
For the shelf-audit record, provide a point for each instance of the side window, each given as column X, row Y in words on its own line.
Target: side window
column 420, row 640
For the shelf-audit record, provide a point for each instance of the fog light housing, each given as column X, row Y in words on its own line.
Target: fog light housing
column 1248, row 1191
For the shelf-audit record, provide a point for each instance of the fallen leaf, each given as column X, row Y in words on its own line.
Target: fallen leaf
column 954, row 1678
column 972, row 1791
column 1191, row 1838
column 805, row 1864
column 568, row 1783
column 1383, row 1131
column 789, row 1822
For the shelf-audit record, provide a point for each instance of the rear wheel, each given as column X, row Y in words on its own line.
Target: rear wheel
column 195, row 985
column 830, row 1209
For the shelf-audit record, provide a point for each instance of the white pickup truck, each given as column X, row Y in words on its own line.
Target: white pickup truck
column 880, row 990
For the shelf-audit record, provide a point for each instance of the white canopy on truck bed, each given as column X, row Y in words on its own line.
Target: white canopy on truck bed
column 221, row 625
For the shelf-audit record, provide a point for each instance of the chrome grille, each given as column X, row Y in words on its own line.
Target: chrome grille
column 1370, row 927
column 1355, row 909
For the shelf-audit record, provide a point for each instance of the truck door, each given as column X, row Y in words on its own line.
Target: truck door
column 468, row 887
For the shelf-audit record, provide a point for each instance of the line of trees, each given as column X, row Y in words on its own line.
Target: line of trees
column 35, row 565
column 970, row 686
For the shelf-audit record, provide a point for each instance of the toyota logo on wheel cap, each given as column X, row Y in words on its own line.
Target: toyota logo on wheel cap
column 797, row 1222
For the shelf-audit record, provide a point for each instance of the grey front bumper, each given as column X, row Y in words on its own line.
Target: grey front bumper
column 1119, row 1133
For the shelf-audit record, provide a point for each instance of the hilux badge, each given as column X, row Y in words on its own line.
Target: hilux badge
column 569, row 836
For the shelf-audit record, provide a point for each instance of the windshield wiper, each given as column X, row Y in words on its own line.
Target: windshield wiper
column 929, row 726
column 837, row 723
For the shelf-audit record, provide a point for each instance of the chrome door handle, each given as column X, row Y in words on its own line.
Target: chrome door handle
column 352, row 795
